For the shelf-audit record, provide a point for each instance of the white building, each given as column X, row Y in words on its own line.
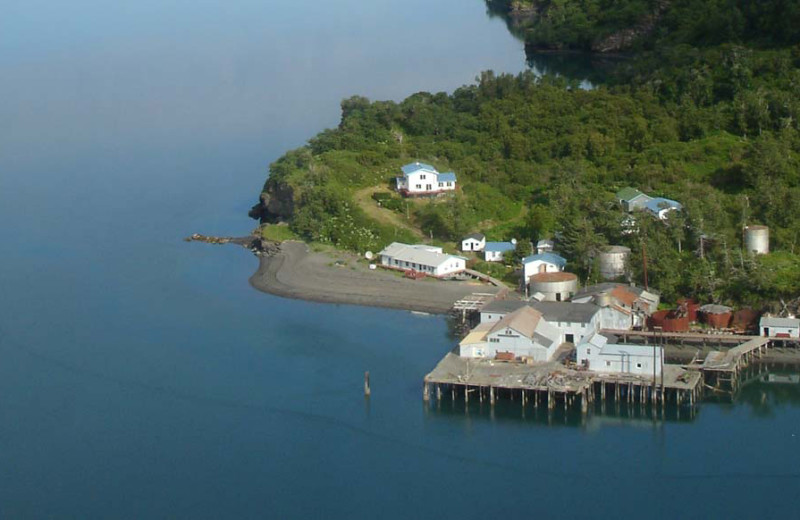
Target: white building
column 496, row 251
column 602, row 354
column 660, row 207
column 780, row 327
column 421, row 258
column 542, row 263
column 473, row 242
column 574, row 320
column 423, row 179
column 544, row 246
column 521, row 334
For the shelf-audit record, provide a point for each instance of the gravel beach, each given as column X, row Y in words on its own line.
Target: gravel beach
column 297, row 272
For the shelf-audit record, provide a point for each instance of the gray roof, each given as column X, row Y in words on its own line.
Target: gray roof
column 769, row 321
column 409, row 253
column 503, row 306
column 566, row 312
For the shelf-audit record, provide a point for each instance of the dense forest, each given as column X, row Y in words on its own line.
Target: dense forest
column 705, row 117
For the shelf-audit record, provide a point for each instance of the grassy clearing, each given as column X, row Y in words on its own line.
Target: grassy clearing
column 277, row 232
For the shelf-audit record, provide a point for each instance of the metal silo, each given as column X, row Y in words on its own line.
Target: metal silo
column 554, row 286
column 614, row 262
column 756, row 239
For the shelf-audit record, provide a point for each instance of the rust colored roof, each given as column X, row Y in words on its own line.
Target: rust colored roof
column 624, row 296
column 553, row 277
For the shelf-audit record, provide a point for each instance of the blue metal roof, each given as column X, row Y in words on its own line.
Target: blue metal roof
column 657, row 204
column 412, row 167
column 447, row 177
column 499, row 247
column 551, row 258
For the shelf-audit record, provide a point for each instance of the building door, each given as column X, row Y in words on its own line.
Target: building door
column 558, row 297
column 766, row 331
column 543, row 268
column 570, row 338
column 428, row 187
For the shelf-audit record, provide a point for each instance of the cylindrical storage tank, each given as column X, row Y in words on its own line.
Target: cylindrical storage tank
column 668, row 321
column 756, row 239
column 614, row 262
column 716, row 316
column 745, row 320
column 556, row 287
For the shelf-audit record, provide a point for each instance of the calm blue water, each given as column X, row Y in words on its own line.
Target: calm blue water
column 141, row 376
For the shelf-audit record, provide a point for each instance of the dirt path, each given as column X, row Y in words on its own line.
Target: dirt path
column 296, row 272
column 363, row 198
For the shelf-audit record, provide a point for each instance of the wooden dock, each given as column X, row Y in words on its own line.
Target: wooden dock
column 724, row 368
column 552, row 385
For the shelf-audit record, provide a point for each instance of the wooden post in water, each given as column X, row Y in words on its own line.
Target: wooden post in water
column 491, row 395
column 367, row 390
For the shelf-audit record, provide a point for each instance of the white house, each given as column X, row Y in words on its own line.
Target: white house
column 496, row 251
column 473, row 242
column 660, row 207
column 421, row 258
column 602, row 354
column 542, row 263
column 544, row 246
column 780, row 327
column 423, row 179
column 523, row 333
column 574, row 320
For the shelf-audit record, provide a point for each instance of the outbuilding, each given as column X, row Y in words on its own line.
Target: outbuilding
column 601, row 353
column 473, row 242
column 780, row 327
column 496, row 251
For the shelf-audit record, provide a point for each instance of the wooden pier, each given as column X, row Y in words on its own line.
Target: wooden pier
column 551, row 385
column 723, row 369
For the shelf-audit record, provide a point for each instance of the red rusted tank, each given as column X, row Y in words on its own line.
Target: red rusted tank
column 745, row 320
column 716, row 316
column 669, row 321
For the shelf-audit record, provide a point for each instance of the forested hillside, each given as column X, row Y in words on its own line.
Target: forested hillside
column 713, row 127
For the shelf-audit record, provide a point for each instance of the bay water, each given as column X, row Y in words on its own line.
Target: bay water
column 142, row 377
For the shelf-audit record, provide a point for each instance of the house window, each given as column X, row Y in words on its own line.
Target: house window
column 441, row 184
column 428, row 187
column 421, row 176
column 419, row 186
column 588, row 351
column 638, row 365
column 449, row 183
column 494, row 340
column 608, row 363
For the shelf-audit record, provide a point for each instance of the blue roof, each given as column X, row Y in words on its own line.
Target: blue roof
column 551, row 258
column 447, row 177
column 657, row 204
column 499, row 247
column 412, row 167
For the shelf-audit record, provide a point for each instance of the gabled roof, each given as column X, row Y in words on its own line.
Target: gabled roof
column 524, row 321
column 628, row 193
column 499, row 247
column 503, row 306
column 595, row 339
column 415, row 254
column 412, row 167
column 566, row 312
column 660, row 203
column 550, row 258
column 447, row 177
column 769, row 321
column 477, row 236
